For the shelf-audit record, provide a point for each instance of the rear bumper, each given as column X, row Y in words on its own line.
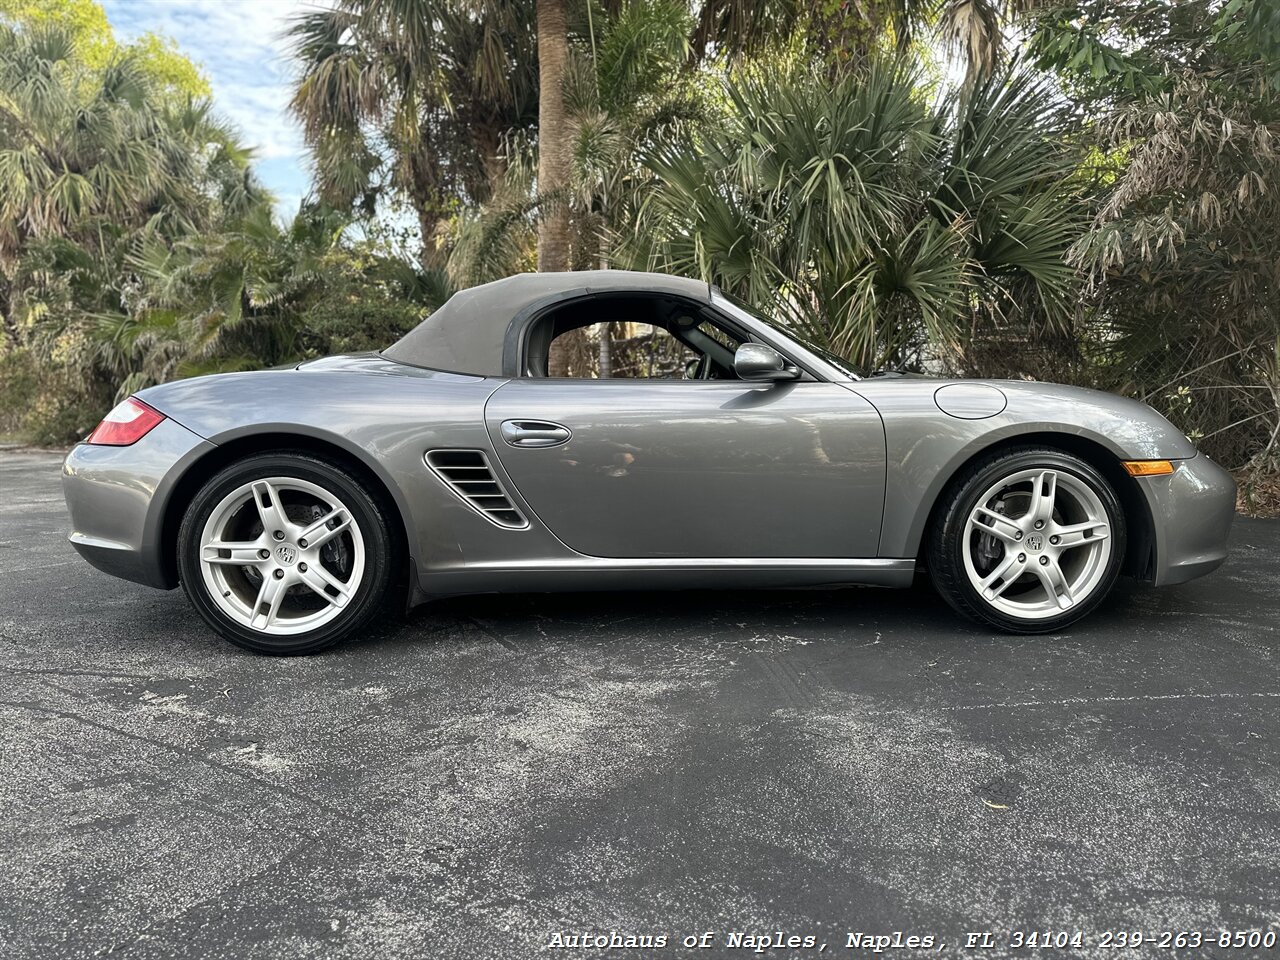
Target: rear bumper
column 1192, row 510
column 116, row 497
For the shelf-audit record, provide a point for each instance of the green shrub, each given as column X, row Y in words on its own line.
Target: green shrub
column 56, row 420
column 356, row 317
column 17, row 386
column 45, row 405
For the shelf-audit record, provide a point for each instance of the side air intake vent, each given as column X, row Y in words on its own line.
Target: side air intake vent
column 468, row 474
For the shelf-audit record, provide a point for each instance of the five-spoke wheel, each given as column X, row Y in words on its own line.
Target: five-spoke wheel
column 281, row 555
column 284, row 553
column 1029, row 540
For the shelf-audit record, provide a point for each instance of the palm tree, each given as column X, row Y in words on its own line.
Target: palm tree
column 413, row 99
column 847, row 33
column 90, row 152
column 91, row 158
column 232, row 299
column 626, row 87
column 888, row 231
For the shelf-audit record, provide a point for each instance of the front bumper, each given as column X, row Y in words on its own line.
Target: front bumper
column 117, row 495
column 1191, row 511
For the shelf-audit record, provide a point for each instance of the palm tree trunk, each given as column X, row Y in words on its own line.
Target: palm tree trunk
column 606, row 351
column 553, row 134
column 606, row 329
column 489, row 143
column 424, row 192
column 553, row 153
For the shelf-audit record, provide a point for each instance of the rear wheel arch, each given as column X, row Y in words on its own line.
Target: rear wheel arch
column 1139, row 556
column 198, row 473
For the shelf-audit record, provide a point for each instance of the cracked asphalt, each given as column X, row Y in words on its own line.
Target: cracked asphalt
column 495, row 772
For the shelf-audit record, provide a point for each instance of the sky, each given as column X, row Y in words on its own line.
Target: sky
column 238, row 45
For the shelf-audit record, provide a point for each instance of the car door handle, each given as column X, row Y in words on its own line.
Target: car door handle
column 534, row 433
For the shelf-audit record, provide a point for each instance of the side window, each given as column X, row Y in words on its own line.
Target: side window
column 623, row 350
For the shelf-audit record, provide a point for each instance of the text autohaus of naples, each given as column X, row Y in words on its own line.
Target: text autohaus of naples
column 740, row 940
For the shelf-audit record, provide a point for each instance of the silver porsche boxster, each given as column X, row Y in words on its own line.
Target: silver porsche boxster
column 712, row 447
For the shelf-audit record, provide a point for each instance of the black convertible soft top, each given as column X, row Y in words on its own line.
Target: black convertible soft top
column 478, row 330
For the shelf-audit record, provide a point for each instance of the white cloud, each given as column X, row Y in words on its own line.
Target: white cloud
column 241, row 48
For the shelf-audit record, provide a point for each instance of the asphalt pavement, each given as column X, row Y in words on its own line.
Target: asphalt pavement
column 501, row 774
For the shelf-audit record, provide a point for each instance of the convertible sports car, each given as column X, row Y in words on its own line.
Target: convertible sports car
column 717, row 450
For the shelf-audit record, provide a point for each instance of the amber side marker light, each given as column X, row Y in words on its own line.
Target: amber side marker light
column 128, row 423
column 1148, row 468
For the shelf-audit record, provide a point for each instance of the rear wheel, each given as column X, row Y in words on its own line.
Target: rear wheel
column 1028, row 541
column 285, row 553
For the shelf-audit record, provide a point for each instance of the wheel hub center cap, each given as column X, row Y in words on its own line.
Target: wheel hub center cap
column 287, row 553
column 1035, row 541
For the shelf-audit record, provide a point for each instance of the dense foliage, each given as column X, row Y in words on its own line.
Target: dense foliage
column 1181, row 265
column 890, row 229
column 1097, row 203
column 136, row 245
column 92, row 157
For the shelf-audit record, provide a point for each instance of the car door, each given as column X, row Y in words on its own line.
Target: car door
column 695, row 468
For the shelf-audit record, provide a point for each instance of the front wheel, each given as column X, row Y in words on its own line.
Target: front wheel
column 1028, row 541
column 285, row 553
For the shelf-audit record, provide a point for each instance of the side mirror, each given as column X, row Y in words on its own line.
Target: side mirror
column 755, row 361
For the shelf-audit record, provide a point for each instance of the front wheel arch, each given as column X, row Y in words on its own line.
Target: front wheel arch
column 199, row 471
column 1139, row 558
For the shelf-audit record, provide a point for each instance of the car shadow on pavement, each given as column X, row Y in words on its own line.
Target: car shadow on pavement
column 829, row 613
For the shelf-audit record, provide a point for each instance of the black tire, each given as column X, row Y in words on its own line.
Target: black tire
column 946, row 546
column 370, row 597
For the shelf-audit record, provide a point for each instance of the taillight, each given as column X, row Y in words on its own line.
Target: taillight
column 128, row 423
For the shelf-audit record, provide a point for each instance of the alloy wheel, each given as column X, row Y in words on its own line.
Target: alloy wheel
column 1037, row 543
column 281, row 556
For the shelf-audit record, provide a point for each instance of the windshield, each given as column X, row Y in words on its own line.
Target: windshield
column 734, row 305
